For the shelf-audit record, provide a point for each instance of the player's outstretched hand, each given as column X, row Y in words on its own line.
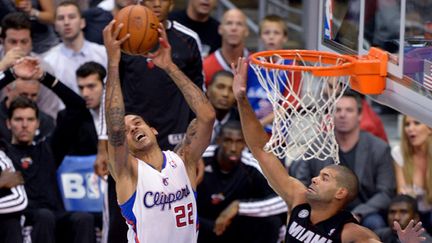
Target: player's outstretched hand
column 112, row 44
column 162, row 56
column 28, row 68
column 411, row 234
column 240, row 76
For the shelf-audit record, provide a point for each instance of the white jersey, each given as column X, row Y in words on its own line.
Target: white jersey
column 163, row 208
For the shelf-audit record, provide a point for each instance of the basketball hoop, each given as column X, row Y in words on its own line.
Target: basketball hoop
column 303, row 87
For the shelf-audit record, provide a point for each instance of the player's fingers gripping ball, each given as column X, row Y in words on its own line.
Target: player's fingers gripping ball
column 142, row 25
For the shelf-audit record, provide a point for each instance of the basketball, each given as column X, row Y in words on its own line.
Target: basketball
column 142, row 25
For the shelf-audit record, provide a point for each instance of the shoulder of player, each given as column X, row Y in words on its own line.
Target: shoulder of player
column 353, row 232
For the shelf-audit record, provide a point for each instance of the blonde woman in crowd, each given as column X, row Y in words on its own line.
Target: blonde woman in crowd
column 413, row 165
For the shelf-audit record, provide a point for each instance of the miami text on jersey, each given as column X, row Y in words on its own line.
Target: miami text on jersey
column 303, row 235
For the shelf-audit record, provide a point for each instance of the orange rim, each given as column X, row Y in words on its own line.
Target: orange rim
column 368, row 72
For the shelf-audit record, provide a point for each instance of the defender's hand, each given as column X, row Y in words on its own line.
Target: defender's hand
column 240, row 76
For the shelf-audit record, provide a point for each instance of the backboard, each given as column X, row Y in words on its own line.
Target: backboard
column 402, row 28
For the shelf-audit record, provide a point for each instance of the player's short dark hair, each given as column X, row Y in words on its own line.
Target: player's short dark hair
column 90, row 68
column 275, row 19
column 412, row 202
column 22, row 102
column 232, row 125
column 69, row 3
column 16, row 21
column 128, row 113
column 221, row 73
column 346, row 178
column 357, row 97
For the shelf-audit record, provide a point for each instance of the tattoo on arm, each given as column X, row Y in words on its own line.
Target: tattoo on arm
column 190, row 133
column 192, row 94
column 115, row 109
column 116, row 129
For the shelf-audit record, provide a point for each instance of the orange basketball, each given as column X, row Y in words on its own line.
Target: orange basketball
column 141, row 23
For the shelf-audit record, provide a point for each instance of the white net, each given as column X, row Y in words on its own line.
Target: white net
column 303, row 105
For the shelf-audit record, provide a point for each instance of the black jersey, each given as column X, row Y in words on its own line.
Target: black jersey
column 153, row 95
column 300, row 229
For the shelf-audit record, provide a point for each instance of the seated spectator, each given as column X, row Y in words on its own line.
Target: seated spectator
column 197, row 17
column 368, row 156
column 38, row 162
column 412, row 162
column 402, row 209
column 235, row 202
column 29, row 89
column 220, row 95
column 13, row 200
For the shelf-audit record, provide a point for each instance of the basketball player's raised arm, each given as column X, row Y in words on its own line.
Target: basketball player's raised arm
column 114, row 106
column 199, row 132
column 289, row 188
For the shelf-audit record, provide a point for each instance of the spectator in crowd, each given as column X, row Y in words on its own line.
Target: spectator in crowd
column 38, row 161
column 368, row 156
column 29, row 89
column 41, row 15
column 413, row 165
column 85, row 124
column 13, row 200
column 16, row 40
column 197, row 17
column 273, row 33
column 220, row 95
column 232, row 186
column 97, row 18
column 74, row 50
column 402, row 209
column 16, row 36
column 234, row 31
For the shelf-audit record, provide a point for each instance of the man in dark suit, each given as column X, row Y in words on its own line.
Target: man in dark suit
column 369, row 158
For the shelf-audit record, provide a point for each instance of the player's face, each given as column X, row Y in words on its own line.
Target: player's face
column 347, row 117
column 18, row 38
column 202, row 7
column 323, row 186
column 400, row 212
column 91, row 90
column 233, row 28
column 23, row 125
column 231, row 144
column 416, row 132
column 68, row 22
column 272, row 35
column 220, row 93
column 139, row 135
column 161, row 8
column 123, row 3
column 29, row 89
